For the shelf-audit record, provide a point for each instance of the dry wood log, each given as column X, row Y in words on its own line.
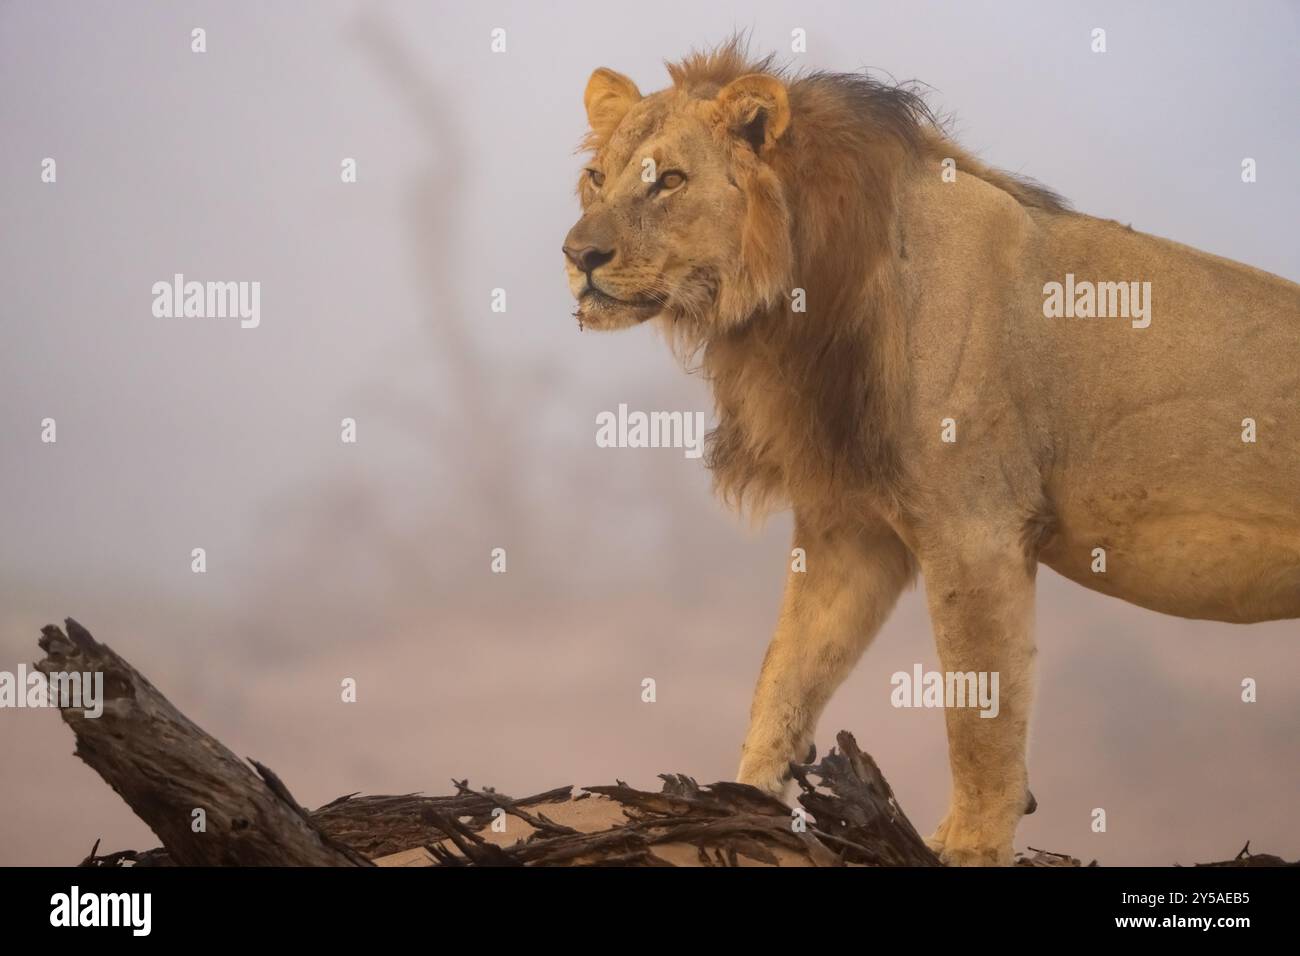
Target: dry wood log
column 859, row 813
column 165, row 767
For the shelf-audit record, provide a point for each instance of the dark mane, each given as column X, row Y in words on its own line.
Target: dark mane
column 810, row 411
column 895, row 110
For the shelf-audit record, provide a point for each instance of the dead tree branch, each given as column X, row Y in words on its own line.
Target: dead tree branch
column 165, row 767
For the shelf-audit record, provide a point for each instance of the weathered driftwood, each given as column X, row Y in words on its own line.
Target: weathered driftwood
column 723, row 822
column 382, row 825
column 165, row 767
column 859, row 812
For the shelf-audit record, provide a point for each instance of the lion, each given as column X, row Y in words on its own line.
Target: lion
column 930, row 362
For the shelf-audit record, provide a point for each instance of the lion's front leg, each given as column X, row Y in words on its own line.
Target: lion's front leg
column 981, row 604
column 830, row 613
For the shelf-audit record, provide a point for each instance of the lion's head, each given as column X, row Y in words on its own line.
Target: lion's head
column 682, row 214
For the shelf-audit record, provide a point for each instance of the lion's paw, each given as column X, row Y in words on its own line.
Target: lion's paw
column 770, row 776
column 976, row 855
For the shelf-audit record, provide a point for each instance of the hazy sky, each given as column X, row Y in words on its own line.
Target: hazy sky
column 475, row 428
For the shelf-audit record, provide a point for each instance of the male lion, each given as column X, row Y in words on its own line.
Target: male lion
column 891, row 357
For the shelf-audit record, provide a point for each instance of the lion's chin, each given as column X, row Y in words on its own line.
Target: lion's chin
column 608, row 315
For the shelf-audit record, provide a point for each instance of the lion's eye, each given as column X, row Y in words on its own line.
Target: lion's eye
column 671, row 179
column 597, row 177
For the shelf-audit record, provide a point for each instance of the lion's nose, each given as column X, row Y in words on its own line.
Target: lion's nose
column 588, row 258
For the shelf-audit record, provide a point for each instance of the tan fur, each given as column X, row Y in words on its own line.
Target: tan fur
column 924, row 302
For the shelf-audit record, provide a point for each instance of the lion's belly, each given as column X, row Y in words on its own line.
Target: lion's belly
column 1212, row 563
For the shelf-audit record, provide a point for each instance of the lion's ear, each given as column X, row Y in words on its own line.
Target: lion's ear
column 755, row 108
column 608, row 98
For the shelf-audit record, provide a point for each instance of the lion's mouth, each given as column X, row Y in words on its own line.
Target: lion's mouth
column 597, row 299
